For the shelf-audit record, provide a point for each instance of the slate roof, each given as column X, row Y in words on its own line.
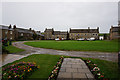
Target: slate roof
column 48, row 30
column 84, row 31
column 21, row 30
column 115, row 29
column 5, row 27
column 38, row 33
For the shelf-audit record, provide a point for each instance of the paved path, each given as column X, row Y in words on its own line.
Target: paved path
column 74, row 69
column 100, row 55
column 8, row 58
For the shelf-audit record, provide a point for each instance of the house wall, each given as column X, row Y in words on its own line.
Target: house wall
column 24, row 36
column 75, row 36
column 59, row 36
column 114, row 35
column 48, row 35
column 8, row 34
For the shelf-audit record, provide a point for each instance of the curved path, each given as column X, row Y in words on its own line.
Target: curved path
column 33, row 50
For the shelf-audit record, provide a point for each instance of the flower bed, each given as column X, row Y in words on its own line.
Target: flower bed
column 18, row 71
column 95, row 70
column 54, row 74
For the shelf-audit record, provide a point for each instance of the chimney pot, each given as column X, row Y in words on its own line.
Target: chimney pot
column 10, row 26
column 14, row 27
column 30, row 29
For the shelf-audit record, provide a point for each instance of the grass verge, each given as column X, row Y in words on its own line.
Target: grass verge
column 102, row 46
column 110, row 69
column 13, row 49
column 47, row 63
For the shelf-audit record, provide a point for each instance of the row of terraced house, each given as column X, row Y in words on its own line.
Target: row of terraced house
column 15, row 33
column 73, row 34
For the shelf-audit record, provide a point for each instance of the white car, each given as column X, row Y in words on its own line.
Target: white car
column 57, row 39
column 81, row 39
column 91, row 39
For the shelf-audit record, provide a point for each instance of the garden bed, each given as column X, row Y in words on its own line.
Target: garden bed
column 18, row 71
column 55, row 71
column 95, row 70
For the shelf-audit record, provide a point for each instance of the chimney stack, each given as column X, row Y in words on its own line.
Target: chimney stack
column 98, row 28
column 10, row 26
column 112, row 26
column 30, row 29
column 14, row 27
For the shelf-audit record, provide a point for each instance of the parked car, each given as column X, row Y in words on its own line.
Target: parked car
column 57, row 39
column 91, row 39
column 81, row 39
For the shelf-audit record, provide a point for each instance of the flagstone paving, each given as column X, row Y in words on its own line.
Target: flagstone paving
column 74, row 69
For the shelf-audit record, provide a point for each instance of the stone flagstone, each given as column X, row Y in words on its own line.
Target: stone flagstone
column 74, row 69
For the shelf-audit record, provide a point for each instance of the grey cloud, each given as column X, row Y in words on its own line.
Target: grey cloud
column 61, row 15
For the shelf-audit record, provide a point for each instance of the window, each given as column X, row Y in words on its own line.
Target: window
column 6, row 32
column 11, row 38
column 10, row 32
column 93, row 34
column 21, row 34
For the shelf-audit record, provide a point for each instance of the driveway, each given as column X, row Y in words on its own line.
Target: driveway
column 89, row 54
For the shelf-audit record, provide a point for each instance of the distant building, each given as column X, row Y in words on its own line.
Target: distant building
column 114, row 32
column 22, row 34
column 7, row 32
column 59, row 34
column 39, row 35
column 75, row 34
column 51, row 34
column 48, row 33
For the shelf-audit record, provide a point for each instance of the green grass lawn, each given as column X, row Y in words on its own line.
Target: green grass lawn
column 110, row 69
column 13, row 49
column 103, row 46
column 47, row 62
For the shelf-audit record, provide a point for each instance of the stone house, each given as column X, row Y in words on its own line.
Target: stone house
column 22, row 34
column 7, row 32
column 48, row 33
column 114, row 32
column 16, row 33
column 59, row 34
column 75, row 34
column 51, row 34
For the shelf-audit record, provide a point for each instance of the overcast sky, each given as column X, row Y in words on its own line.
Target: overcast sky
column 61, row 15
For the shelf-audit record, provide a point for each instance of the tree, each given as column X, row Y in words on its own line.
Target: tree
column 34, row 36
